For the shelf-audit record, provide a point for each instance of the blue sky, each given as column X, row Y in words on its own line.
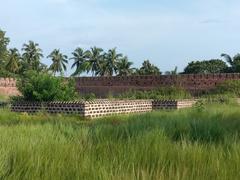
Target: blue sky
column 167, row 32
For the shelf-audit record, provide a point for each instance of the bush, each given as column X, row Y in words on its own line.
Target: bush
column 230, row 87
column 36, row 86
column 171, row 92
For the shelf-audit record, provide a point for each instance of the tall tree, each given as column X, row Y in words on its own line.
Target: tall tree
column 95, row 59
column 112, row 59
column 206, row 67
column 124, row 67
column 233, row 62
column 4, row 41
column 32, row 55
column 148, row 69
column 81, row 63
column 59, row 61
column 13, row 61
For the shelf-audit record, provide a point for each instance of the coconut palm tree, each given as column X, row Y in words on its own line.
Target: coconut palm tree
column 13, row 61
column 32, row 55
column 81, row 62
column 233, row 62
column 124, row 67
column 148, row 69
column 59, row 61
column 95, row 59
column 112, row 59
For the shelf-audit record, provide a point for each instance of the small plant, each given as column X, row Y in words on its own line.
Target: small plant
column 200, row 105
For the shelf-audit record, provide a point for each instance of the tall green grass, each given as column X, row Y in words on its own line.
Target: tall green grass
column 186, row 144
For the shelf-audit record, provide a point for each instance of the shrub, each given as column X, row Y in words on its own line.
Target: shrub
column 171, row 92
column 36, row 86
column 230, row 87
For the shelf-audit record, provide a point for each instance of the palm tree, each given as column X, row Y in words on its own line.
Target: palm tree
column 228, row 58
column 95, row 59
column 13, row 61
column 81, row 62
column 124, row 67
column 234, row 62
column 32, row 55
column 148, row 69
column 173, row 72
column 59, row 61
column 112, row 60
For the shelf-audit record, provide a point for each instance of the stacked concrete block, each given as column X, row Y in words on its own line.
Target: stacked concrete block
column 51, row 107
column 99, row 108
column 181, row 104
column 164, row 104
column 106, row 107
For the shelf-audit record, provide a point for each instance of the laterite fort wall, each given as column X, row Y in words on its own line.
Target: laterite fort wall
column 99, row 108
column 8, row 87
column 195, row 83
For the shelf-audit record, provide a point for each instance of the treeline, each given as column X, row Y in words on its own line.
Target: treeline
column 93, row 61
column 96, row 62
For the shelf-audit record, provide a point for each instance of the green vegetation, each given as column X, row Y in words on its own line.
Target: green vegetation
column 186, row 144
column 159, row 93
column 206, row 67
column 36, row 86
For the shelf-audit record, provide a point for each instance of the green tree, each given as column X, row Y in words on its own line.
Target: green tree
column 95, row 59
column 59, row 61
column 206, row 67
column 148, row 69
column 112, row 59
column 81, row 62
column 4, row 41
column 32, row 55
column 124, row 67
column 13, row 61
column 233, row 62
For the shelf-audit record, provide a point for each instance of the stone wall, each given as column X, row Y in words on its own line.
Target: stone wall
column 98, row 108
column 8, row 87
column 194, row 83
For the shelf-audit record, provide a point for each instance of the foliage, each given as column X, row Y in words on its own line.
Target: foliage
column 4, row 41
column 205, row 67
column 80, row 58
column 124, row 67
column 181, row 144
column 36, row 86
column 32, row 55
column 233, row 62
column 230, row 87
column 148, row 69
column 159, row 93
column 13, row 62
column 59, row 61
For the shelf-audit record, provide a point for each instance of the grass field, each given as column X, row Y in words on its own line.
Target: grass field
column 186, row 144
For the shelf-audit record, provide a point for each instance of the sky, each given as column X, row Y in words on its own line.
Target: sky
column 167, row 32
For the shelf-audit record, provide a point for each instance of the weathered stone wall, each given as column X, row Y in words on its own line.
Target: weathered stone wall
column 194, row 83
column 103, row 86
column 98, row 108
column 8, row 87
